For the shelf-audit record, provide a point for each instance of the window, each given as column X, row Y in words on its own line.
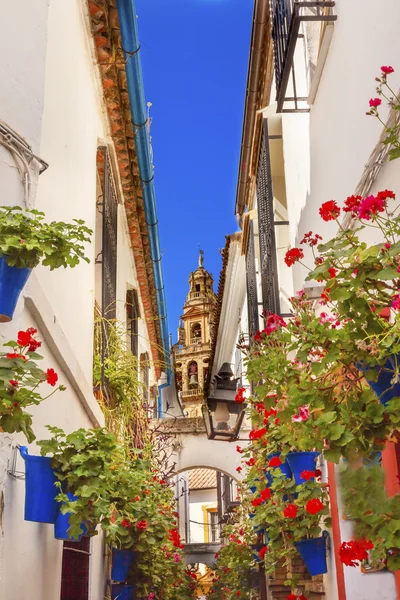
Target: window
column 197, row 287
column 75, row 570
column 213, row 525
column 132, row 318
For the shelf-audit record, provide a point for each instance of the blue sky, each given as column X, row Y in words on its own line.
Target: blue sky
column 194, row 55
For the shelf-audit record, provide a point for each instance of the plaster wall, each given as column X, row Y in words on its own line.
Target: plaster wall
column 199, row 499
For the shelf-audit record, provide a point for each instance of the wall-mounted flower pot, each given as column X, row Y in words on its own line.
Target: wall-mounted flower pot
column 283, row 467
column 301, row 461
column 382, row 387
column 122, row 592
column 313, row 553
column 122, row 561
column 12, row 281
column 62, row 525
column 40, row 489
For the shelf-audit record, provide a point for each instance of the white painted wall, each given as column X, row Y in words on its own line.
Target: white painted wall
column 199, row 499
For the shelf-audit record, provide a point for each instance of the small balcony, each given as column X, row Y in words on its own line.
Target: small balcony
column 287, row 17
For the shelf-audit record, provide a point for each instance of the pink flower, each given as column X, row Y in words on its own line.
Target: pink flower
column 371, row 206
column 177, row 558
column 375, row 102
column 396, row 301
column 302, row 415
column 387, row 70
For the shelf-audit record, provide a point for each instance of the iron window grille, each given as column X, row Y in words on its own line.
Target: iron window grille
column 75, row 570
column 251, row 284
column 286, row 19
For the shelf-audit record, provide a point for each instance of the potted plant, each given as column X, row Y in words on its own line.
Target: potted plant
column 26, row 240
column 21, row 382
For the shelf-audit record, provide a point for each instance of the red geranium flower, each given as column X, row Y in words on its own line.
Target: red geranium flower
column 24, row 338
column 52, row 377
column 263, row 552
column 293, row 255
column 125, row 523
column 12, row 355
column 375, row 102
column 266, row 494
column 291, row 597
column 329, row 210
column 307, row 475
column 314, row 506
column 256, row 434
column 332, row 272
column 142, row 525
column 290, row 511
column 354, row 551
column 34, row 345
column 238, row 449
column 238, row 469
column 240, row 395
column 275, row 462
column 13, row 382
column 256, row 502
column 387, row 70
column 352, row 204
column 385, row 194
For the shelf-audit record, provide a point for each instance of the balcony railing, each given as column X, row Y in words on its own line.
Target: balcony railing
column 192, row 393
column 287, row 16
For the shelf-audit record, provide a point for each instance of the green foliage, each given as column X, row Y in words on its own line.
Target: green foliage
column 26, row 239
column 376, row 516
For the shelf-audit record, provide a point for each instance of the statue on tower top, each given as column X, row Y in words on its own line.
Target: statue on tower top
column 201, row 258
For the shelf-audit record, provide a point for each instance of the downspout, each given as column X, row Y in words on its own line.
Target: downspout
column 131, row 46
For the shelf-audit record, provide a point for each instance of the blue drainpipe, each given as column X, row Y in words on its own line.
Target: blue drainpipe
column 130, row 43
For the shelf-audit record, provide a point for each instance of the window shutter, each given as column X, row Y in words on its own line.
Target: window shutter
column 75, row 570
column 132, row 316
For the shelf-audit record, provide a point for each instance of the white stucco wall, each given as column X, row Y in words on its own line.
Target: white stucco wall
column 199, row 499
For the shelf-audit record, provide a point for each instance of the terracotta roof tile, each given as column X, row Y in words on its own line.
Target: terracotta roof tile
column 202, row 479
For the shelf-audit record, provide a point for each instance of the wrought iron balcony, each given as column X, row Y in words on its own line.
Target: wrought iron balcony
column 287, row 17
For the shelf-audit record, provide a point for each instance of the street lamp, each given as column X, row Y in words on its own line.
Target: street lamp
column 222, row 415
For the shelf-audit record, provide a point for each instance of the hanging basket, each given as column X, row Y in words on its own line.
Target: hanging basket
column 122, row 561
column 313, row 553
column 301, row 461
column 122, row 592
column 283, row 467
column 40, row 489
column 12, row 281
column 382, row 387
column 61, row 525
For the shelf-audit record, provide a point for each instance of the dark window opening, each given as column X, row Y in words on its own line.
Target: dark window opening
column 132, row 320
column 197, row 287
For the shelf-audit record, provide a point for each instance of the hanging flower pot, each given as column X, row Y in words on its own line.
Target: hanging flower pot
column 383, row 386
column 40, row 489
column 62, row 524
column 301, row 461
column 313, row 553
column 122, row 561
column 122, row 592
column 12, row 281
column 283, row 467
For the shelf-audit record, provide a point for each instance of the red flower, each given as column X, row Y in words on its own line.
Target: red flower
column 375, row 102
column 34, row 345
column 240, row 395
column 307, row 475
column 314, row 506
column 352, row 204
column 354, row 551
column 371, row 206
column 263, row 552
column 13, row 355
column 52, row 377
column 175, row 538
column 238, row 469
column 293, row 255
column 329, row 210
column 256, row 434
column 332, row 272
column 387, row 70
column 136, row 498
column 266, row 494
column 125, row 523
column 275, row 462
column 310, row 239
column 291, row 597
column 238, row 449
column 238, row 593
column 24, row 338
column 256, row 502
column 385, row 194
column 13, row 382
column 318, row 473
column 251, row 462
column 290, row 511
column 142, row 525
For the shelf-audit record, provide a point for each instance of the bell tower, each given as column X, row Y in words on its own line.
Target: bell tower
column 192, row 352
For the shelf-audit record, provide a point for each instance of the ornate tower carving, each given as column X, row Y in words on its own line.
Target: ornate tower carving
column 192, row 352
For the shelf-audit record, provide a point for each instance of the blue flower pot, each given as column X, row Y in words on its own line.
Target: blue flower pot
column 122, row 561
column 301, row 461
column 40, row 489
column 62, row 525
column 313, row 553
column 12, row 281
column 382, row 387
column 284, row 468
column 122, row 592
